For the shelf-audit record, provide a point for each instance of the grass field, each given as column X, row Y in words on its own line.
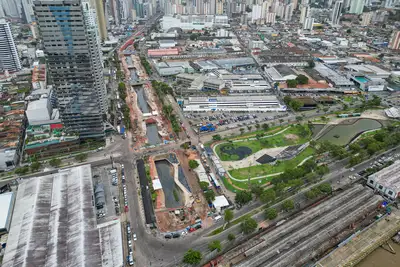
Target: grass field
column 265, row 169
column 292, row 136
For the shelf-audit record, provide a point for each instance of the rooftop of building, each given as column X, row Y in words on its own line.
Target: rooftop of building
column 389, row 177
column 6, row 201
column 284, row 70
column 54, row 224
column 233, row 98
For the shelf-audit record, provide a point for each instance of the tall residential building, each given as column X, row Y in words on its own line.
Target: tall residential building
column 304, row 13
column 71, row 44
column 288, row 12
column 308, row 24
column 9, row 60
column 270, row 18
column 395, row 40
column 101, row 19
column 356, row 6
column 336, row 12
column 366, row 18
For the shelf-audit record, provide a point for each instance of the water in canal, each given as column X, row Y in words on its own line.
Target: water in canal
column 152, row 134
column 166, row 176
column 144, row 107
column 342, row 134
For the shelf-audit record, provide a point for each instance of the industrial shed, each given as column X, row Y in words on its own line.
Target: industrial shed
column 54, row 224
column 6, row 209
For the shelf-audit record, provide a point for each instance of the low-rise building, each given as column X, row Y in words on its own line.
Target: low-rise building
column 171, row 68
column 280, row 73
column 55, row 211
column 387, row 181
column 163, row 52
column 6, row 210
column 369, row 70
column 333, row 77
column 234, row 104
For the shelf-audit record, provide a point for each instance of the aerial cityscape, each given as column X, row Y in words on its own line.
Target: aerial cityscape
column 212, row 133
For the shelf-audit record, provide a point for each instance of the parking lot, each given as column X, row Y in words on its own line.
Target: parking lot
column 225, row 120
column 110, row 208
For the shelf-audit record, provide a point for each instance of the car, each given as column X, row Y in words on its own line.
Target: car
column 134, row 237
column 352, row 169
column 168, row 236
column 176, row 235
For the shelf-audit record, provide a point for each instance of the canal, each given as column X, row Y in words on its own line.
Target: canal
column 166, row 175
column 144, row 107
column 382, row 258
column 152, row 134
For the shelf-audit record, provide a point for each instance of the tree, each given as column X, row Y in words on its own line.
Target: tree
column 348, row 31
column 228, row 216
column 231, row 237
column 210, row 196
column 204, row 186
column 241, row 130
column 249, row 128
column 193, row 164
column 288, row 205
column 322, row 170
column 325, row 188
column 311, row 194
column 265, row 126
column 194, row 36
column 243, row 197
column 22, row 170
column 216, row 137
column 257, row 126
column 291, row 83
column 257, row 190
column 281, row 121
column 35, row 166
column 167, row 110
column 81, row 157
column 248, row 226
column 302, row 79
column 268, row 195
column 56, row 162
column 192, row 257
column 372, row 148
column 271, row 213
column 355, row 148
column 299, row 119
column 311, row 64
column 215, row 245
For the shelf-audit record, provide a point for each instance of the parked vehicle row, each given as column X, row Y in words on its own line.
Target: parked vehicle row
column 129, row 259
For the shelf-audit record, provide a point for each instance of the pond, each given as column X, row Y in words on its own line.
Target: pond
column 342, row 134
column 152, row 134
column 229, row 152
column 166, row 175
column 144, row 107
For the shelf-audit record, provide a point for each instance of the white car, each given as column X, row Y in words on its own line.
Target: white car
column 134, row 237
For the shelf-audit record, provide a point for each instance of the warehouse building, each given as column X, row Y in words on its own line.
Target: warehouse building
column 54, row 224
column 387, row 181
column 6, row 210
column 233, row 104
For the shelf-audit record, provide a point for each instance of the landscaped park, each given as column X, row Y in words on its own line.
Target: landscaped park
column 260, row 156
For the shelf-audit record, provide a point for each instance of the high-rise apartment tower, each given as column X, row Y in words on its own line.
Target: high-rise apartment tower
column 9, row 60
column 72, row 49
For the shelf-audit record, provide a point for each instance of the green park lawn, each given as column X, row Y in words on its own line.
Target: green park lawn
column 265, row 169
column 270, row 142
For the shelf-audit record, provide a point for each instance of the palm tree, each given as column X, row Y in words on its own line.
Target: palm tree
column 281, row 121
column 241, row 130
column 249, row 128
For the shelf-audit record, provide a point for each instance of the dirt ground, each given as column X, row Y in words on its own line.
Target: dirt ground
column 292, row 137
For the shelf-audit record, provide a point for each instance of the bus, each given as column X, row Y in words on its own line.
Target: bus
column 214, row 181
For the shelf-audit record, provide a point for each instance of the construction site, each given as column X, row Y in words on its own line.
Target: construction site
column 149, row 127
column 309, row 235
column 179, row 202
